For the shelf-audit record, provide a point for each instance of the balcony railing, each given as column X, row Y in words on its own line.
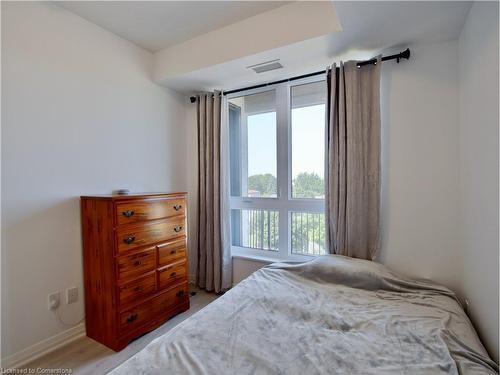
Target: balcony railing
column 308, row 233
column 262, row 229
column 259, row 229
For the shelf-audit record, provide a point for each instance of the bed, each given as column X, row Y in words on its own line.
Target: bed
column 332, row 315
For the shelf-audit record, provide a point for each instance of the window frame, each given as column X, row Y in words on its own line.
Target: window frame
column 283, row 202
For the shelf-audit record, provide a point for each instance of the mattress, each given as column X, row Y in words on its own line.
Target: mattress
column 332, row 315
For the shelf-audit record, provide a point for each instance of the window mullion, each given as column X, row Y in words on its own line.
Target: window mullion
column 283, row 193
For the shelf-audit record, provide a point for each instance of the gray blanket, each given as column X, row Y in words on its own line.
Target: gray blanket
column 333, row 315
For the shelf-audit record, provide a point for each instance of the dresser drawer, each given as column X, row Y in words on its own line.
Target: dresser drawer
column 171, row 275
column 134, row 318
column 172, row 298
column 171, row 252
column 131, row 237
column 154, row 308
column 131, row 212
column 137, row 289
column 134, row 265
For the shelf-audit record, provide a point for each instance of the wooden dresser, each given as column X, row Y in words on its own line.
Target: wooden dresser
column 135, row 264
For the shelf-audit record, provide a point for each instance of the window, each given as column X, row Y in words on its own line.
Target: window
column 277, row 142
column 308, row 140
column 253, row 156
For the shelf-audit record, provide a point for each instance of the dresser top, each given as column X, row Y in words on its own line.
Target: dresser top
column 116, row 197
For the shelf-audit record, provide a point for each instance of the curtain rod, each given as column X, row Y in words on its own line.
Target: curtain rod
column 398, row 56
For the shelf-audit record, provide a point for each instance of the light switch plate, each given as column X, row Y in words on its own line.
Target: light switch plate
column 72, row 295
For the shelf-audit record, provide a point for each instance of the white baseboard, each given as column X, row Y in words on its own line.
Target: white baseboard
column 43, row 347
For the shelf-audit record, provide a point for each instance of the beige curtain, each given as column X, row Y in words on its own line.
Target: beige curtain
column 214, row 261
column 353, row 160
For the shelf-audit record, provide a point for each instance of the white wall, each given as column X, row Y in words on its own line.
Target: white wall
column 478, row 51
column 419, row 207
column 80, row 115
column 192, row 178
column 242, row 268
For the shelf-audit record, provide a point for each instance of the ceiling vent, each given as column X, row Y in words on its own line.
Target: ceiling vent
column 266, row 66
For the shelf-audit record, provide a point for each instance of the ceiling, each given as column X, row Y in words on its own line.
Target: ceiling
column 368, row 28
column 154, row 25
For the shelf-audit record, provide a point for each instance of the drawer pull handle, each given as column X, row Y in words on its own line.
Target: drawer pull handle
column 180, row 293
column 129, row 240
column 177, row 207
column 131, row 318
column 138, row 289
column 128, row 213
column 137, row 263
column 173, row 274
column 172, row 252
column 178, row 228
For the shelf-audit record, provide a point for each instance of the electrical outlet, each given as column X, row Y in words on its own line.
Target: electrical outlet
column 54, row 300
column 72, row 295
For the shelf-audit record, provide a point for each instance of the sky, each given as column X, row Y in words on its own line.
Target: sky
column 308, row 134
